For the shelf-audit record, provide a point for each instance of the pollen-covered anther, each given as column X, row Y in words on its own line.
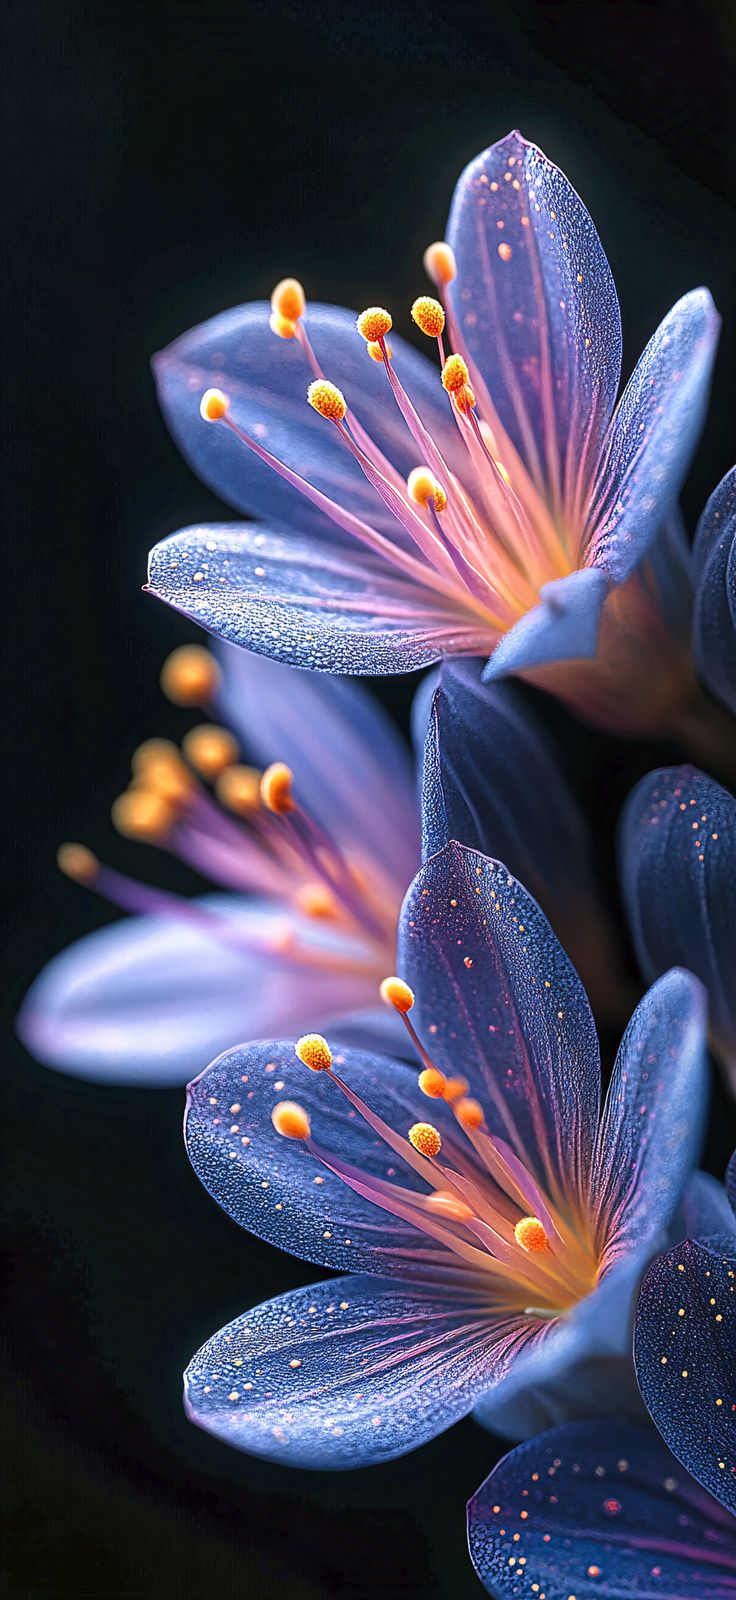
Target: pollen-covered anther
column 277, row 788
column 396, row 993
column 377, row 351
column 374, row 324
column 432, row 1083
column 424, row 489
column 469, row 1113
column 314, row 1052
column 142, row 814
column 464, row 398
column 429, row 316
column 289, row 300
column 447, row 1205
column 455, row 1088
column 190, row 675
column 158, row 768
column 439, row 262
column 77, row 862
column 283, row 327
column 214, row 405
column 210, row 750
column 239, row 789
column 425, row 1138
column 327, row 400
column 454, row 374
column 291, row 1120
column 530, row 1234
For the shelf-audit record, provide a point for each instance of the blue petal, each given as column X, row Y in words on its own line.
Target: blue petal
column 714, row 617
column 685, row 1354
column 652, row 1125
column 152, row 999
column 731, row 1181
column 706, row 1209
column 563, row 627
column 249, row 1169
column 653, row 435
column 543, row 326
column 325, row 604
column 266, row 379
column 491, row 780
column 352, row 770
column 679, row 884
column 338, row 1374
column 498, row 1001
column 596, row 1509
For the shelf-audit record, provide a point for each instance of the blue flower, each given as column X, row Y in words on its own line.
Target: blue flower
column 714, row 620
column 507, row 509
column 491, row 1254
column 677, row 852
column 599, row 1508
column 304, row 925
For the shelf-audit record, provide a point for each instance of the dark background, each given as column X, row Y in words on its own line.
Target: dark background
column 164, row 161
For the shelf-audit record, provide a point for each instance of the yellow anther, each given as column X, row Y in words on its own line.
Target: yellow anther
column 239, row 788
column 289, row 300
column 158, row 768
column 464, row 398
column 283, row 327
column 277, row 788
column 469, row 1113
column 375, row 351
column 317, row 901
column 396, row 993
column 214, row 405
column 429, row 316
column 425, row 1138
column 77, row 863
column 374, row 324
column 447, row 1205
column 326, row 399
column 314, row 1052
column 439, row 263
column 424, row 489
column 190, row 675
column 210, row 750
column 432, row 1082
column 530, row 1234
column 291, row 1120
column 454, row 374
column 142, row 814
column 455, row 1088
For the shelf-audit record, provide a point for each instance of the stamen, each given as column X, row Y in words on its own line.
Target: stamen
column 469, row 1113
column 449, row 1206
column 439, row 263
column 289, row 300
column 424, row 489
column 432, row 1083
column 425, row 1138
column 314, row 1052
column 282, row 326
column 277, row 788
column 454, row 374
column 396, row 993
column 374, row 324
column 214, row 405
column 157, row 767
column 239, row 789
column 77, row 863
column 291, row 1120
column 190, row 675
column 455, row 1088
column 464, row 398
column 530, row 1234
column 142, row 814
column 327, row 400
column 428, row 316
column 317, row 901
column 210, row 750
column 378, row 352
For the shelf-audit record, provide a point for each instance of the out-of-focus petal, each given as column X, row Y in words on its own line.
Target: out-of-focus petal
column 677, row 861
column 331, row 606
column 498, row 1001
column 266, row 379
column 151, row 999
column 652, row 1125
column 685, row 1354
column 352, row 770
column 653, row 435
column 276, row 1188
column 563, row 627
column 340, row 1374
column 536, row 306
column 706, row 1209
column 491, row 780
column 731, row 1181
column 714, row 615
column 595, row 1509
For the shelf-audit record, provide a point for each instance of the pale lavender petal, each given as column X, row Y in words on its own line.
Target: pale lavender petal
column 562, row 627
